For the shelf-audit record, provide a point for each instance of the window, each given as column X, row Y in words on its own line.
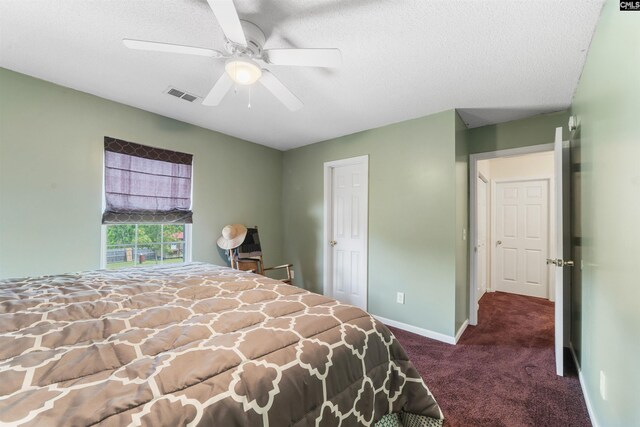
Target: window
column 131, row 245
column 147, row 198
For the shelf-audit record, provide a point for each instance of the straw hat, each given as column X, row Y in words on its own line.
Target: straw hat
column 232, row 236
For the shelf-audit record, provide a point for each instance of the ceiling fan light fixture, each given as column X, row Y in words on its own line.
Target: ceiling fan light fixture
column 243, row 71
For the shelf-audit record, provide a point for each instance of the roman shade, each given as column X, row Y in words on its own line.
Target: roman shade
column 146, row 184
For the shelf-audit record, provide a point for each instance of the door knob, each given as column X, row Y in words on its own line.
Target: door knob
column 333, row 243
column 560, row 262
column 499, row 242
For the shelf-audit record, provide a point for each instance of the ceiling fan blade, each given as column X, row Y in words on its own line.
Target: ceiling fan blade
column 328, row 58
column 227, row 16
column 172, row 48
column 280, row 91
column 219, row 90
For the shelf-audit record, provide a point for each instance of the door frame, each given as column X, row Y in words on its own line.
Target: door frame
column 488, row 230
column 473, row 220
column 550, row 213
column 328, row 224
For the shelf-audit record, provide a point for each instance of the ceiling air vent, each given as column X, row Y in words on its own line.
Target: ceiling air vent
column 180, row 94
column 189, row 98
column 175, row 92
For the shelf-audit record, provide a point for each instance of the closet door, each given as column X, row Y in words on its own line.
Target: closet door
column 521, row 239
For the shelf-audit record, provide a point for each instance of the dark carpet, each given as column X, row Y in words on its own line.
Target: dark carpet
column 501, row 372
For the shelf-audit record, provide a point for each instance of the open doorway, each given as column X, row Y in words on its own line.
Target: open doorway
column 515, row 226
column 518, row 166
column 517, row 208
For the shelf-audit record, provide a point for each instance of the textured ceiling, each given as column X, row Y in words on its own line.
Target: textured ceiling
column 494, row 60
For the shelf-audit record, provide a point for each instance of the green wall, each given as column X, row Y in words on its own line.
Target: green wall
column 540, row 129
column 607, row 103
column 462, row 222
column 51, row 150
column 412, row 221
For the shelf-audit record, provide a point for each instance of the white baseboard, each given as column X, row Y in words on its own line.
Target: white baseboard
column 463, row 328
column 592, row 415
column 420, row 331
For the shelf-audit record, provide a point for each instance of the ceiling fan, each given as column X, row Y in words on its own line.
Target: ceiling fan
column 244, row 56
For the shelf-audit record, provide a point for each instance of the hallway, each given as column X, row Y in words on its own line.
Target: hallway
column 502, row 372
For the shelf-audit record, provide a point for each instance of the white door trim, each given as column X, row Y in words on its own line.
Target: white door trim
column 328, row 226
column 473, row 200
column 550, row 212
column 487, row 251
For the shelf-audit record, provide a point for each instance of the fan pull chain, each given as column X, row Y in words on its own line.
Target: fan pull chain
column 249, row 105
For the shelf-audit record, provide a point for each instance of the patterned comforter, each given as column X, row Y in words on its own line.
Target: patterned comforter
column 196, row 344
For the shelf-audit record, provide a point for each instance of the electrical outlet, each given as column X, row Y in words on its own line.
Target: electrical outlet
column 400, row 298
column 293, row 274
column 464, row 234
column 603, row 386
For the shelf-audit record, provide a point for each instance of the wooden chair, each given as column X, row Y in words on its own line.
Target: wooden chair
column 248, row 256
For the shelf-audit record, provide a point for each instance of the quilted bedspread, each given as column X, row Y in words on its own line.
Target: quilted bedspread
column 196, row 344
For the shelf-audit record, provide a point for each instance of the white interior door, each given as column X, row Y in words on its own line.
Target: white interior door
column 522, row 237
column 563, row 248
column 348, row 239
column 481, row 246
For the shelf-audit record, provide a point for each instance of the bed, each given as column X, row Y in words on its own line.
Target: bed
column 197, row 344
